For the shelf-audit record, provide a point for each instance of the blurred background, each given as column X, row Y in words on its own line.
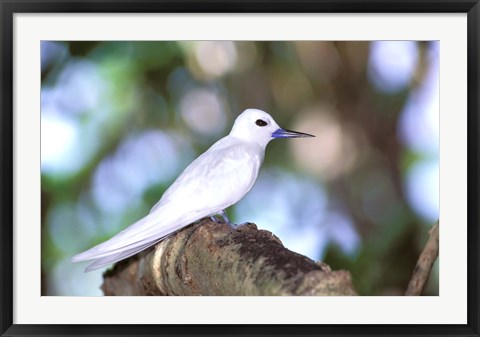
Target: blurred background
column 121, row 120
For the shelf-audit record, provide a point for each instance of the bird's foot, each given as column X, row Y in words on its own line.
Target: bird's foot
column 225, row 220
column 215, row 219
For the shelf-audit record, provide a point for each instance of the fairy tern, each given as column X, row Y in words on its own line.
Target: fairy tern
column 217, row 179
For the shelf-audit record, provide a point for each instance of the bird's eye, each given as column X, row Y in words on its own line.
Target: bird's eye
column 260, row 122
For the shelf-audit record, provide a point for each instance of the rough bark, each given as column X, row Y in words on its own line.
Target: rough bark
column 214, row 259
column 425, row 263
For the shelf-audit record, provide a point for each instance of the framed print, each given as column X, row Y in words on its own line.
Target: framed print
column 198, row 168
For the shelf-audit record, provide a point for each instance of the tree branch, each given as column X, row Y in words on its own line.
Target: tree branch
column 424, row 264
column 214, row 259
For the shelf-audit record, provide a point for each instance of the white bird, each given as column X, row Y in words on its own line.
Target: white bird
column 217, row 179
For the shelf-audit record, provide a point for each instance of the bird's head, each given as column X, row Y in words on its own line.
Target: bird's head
column 259, row 127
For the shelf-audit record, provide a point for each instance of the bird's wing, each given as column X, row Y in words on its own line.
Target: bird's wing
column 214, row 181
column 222, row 175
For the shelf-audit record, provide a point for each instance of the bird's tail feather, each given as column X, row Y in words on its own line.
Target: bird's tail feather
column 135, row 238
column 145, row 231
column 115, row 257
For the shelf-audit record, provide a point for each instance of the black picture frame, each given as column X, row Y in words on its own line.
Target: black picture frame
column 9, row 8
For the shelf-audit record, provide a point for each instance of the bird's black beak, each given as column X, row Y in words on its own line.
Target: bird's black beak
column 283, row 133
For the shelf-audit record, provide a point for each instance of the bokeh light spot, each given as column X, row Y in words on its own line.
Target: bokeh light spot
column 423, row 189
column 58, row 138
column 203, row 111
column 392, row 64
column 332, row 152
column 215, row 57
column 140, row 161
